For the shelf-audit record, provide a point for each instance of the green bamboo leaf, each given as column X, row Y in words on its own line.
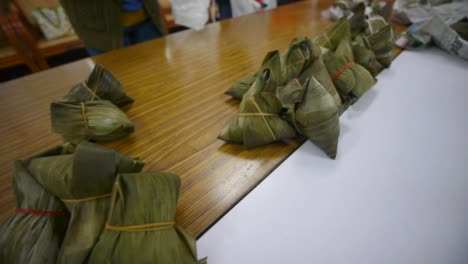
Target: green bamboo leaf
column 141, row 225
column 101, row 85
column 83, row 181
column 96, row 120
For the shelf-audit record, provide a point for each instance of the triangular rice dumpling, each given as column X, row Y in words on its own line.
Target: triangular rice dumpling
column 374, row 24
column 95, row 120
column 357, row 21
column 333, row 34
column 318, row 70
column 258, row 122
column 351, row 79
column 34, row 233
column 272, row 62
column 141, row 224
column 238, row 89
column 101, row 85
column 364, row 55
column 381, row 43
column 83, row 181
column 317, row 117
column 297, row 57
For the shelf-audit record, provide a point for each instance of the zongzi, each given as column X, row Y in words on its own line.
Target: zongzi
column 258, row 122
column 333, row 34
column 364, row 55
column 34, row 233
column 96, row 120
column 101, row 85
column 351, row 79
column 317, row 117
column 381, row 43
column 83, row 181
column 141, row 224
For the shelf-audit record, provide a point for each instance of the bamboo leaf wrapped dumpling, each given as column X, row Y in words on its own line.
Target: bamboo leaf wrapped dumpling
column 272, row 62
column 258, row 122
column 333, row 34
column 34, row 233
column 297, row 57
column 96, row 120
column 364, row 55
column 351, row 79
column 381, row 43
column 317, row 117
column 319, row 71
column 83, row 181
column 143, row 210
column 100, row 85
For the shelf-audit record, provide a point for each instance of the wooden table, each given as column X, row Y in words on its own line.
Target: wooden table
column 178, row 84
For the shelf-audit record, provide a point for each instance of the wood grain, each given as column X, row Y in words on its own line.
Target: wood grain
column 178, row 84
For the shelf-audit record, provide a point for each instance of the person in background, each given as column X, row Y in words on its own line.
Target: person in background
column 284, row 2
column 104, row 25
column 224, row 9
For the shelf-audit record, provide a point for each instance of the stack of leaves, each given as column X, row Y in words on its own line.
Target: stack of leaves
column 90, row 111
column 100, row 85
column 83, row 181
column 141, row 224
column 34, row 233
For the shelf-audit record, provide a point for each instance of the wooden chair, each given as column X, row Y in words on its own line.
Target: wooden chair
column 14, row 50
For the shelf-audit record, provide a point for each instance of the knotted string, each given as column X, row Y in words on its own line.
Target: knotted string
column 263, row 117
column 91, row 91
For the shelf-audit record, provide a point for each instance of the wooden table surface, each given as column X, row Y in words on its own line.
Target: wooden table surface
column 178, row 84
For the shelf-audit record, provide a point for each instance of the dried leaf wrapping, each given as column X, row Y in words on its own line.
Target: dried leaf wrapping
column 83, row 181
column 96, row 120
column 143, row 210
column 317, row 117
column 258, row 122
column 101, row 85
column 34, row 233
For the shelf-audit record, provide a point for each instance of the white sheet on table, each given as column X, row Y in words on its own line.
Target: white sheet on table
column 397, row 193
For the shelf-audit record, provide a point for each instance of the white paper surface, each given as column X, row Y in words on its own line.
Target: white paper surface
column 397, row 193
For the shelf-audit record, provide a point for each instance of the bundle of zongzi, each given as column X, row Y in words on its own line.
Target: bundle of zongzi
column 364, row 55
column 34, row 233
column 317, row 117
column 258, row 122
column 101, row 85
column 96, row 120
column 83, row 181
column 351, row 79
column 141, row 224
